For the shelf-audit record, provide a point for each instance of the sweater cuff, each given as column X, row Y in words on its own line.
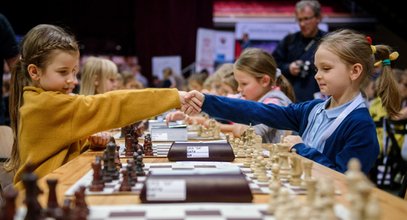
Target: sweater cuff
column 298, row 147
column 204, row 101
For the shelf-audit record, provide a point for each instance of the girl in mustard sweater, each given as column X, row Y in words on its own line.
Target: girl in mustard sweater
column 49, row 124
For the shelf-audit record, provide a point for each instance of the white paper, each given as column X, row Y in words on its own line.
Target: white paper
column 166, row 189
column 197, row 151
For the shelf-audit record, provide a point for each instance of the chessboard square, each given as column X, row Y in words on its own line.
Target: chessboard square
column 246, row 171
column 165, row 213
column 110, row 186
column 257, row 191
column 253, row 186
column 137, row 187
column 262, row 184
column 202, row 213
column 106, row 190
column 242, row 213
column 204, row 217
column 141, row 178
column 132, row 214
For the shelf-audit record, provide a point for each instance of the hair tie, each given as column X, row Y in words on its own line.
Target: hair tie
column 386, row 62
column 394, row 55
column 369, row 40
column 278, row 73
column 373, row 47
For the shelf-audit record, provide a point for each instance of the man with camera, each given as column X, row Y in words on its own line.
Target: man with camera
column 295, row 53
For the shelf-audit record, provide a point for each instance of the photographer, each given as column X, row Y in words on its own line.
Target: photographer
column 295, row 53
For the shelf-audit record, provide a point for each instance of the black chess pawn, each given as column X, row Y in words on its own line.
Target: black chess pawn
column 139, row 166
column 34, row 209
column 131, row 169
column 126, row 182
column 97, row 184
column 148, row 146
column 8, row 211
column 53, row 210
column 128, row 144
column 137, row 154
column 81, row 209
column 111, row 139
column 107, row 178
column 117, row 158
column 66, row 210
column 112, row 169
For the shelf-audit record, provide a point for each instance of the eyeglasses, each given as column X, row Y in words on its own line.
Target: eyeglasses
column 305, row 19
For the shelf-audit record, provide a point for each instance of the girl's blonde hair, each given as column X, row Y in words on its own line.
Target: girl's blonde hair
column 199, row 78
column 37, row 47
column 225, row 73
column 96, row 69
column 259, row 63
column 352, row 47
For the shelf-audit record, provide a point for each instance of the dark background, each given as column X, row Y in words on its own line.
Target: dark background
column 123, row 27
column 149, row 28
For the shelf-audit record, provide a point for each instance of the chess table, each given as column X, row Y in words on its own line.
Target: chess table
column 392, row 207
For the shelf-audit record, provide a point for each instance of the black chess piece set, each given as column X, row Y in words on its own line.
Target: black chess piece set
column 131, row 135
column 112, row 168
column 75, row 209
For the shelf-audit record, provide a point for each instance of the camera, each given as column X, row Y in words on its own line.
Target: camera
column 304, row 68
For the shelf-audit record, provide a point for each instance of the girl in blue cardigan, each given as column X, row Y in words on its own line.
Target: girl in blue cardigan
column 333, row 131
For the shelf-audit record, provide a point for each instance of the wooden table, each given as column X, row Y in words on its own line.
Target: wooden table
column 392, row 207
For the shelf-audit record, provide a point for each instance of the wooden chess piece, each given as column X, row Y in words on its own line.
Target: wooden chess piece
column 373, row 210
column 34, row 209
column 274, row 191
column 107, row 178
column 53, row 210
column 125, row 185
column 311, row 185
column 307, row 166
column 81, row 209
column 139, row 166
column 66, row 210
column 131, row 169
column 148, row 146
column 296, row 170
column 8, row 211
column 111, row 165
column 128, row 144
column 97, row 184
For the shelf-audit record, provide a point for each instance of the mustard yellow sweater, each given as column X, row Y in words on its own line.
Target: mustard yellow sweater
column 53, row 125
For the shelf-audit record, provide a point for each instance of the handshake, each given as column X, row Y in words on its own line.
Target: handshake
column 191, row 102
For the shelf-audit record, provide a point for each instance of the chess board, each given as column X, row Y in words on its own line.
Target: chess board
column 193, row 135
column 113, row 187
column 215, row 211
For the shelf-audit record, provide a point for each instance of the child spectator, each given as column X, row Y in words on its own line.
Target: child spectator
column 99, row 75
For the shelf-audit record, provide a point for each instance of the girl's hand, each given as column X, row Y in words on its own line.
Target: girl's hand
column 193, row 102
column 99, row 140
column 293, row 140
column 175, row 116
